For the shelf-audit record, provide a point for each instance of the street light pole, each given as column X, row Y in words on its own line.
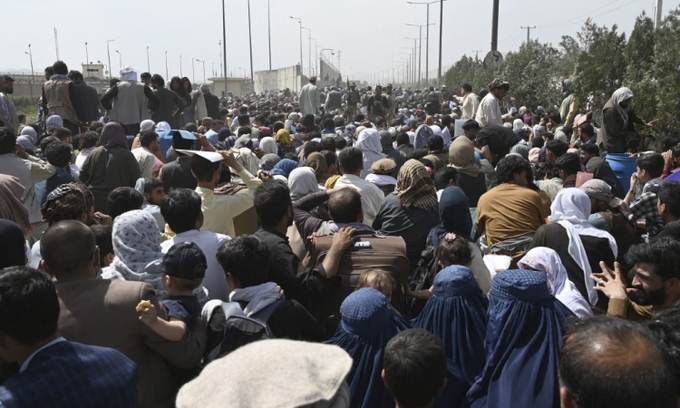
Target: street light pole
column 413, row 64
column 166, row 67
column 224, row 47
column 148, row 61
column 120, row 59
column 87, row 56
column 250, row 40
column 30, row 83
column 108, row 53
column 203, row 62
column 193, row 72
column 309, row 57
column 269, row 32
column 420, row 52
column 301, row 70
column 427, row 41
column 316, row 61
column 321, row 53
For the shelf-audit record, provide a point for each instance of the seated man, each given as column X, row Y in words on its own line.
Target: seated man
column 103, row 313
column 344, row 209
column 641, row 197
column 275, row 212
column 54, row 372
column 245, row 262
column 568, row 165
column 669, row 208
column 632, row 369
column 351, row 162
column 555, row 149
column 436, row 153
column 124, row 199
column 146, row 153
column 182, row 211
column 590, row 157
column 153, row 191
column 510, row 213
column 655, row 285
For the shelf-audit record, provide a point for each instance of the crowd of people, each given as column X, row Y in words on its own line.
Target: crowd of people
column 139, row 225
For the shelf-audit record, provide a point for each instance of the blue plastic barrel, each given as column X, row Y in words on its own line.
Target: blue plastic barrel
column 623, row 166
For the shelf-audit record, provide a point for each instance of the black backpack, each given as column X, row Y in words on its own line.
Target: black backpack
column 423, row 278
column 229, row 328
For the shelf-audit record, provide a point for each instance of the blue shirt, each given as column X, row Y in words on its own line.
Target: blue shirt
column 184, row 308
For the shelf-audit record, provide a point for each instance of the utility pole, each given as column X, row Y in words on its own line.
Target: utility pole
column 477, row 53
column 87, row 58
column 494, row 26
column 166, row 67
column 658, row 8
column 108, row 53
column 223, row 47
column 250, row 40
column 528, row 28
column 420, row 46
column 427, row 35
column 441, row 39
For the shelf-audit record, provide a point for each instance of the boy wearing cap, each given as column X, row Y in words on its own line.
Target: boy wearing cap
column 184, row 268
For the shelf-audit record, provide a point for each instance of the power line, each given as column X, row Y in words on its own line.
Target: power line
column 589, row 15
column 528, row 28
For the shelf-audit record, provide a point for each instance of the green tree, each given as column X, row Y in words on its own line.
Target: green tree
column 639, row 75
column 601, row 66
column 667, row 72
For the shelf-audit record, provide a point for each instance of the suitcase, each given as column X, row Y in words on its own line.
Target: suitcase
column 371, row 251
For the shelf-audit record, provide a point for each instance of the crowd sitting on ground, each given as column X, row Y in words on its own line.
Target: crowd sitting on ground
column 386, row 248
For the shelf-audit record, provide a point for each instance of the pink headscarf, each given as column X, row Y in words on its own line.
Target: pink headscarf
column 11, row 207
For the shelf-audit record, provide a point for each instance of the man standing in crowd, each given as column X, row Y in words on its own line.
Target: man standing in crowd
column 392, row 103
column 470, row 102
column 668, row 204
column 61, row 98
column 310, row 99
column 570, row 106
column 489, row 110
column 11, row 110
column 353, row 99
column 170, row 105
column 212, row 102
column 28, row 336
column 377, row 105
column 127, row 102
column 87, row 96
column 333, row 100
column 103, row 313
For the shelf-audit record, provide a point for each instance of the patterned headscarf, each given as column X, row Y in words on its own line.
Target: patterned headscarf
column 67, row 202
column 415, row 186
column 136, row 244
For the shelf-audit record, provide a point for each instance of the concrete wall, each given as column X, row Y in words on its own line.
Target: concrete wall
column 237, row 86
column 282, row 78
column 327, row 72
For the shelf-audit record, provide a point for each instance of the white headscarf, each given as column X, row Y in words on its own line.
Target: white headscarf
column 571, row 210
column 547, row 260
column 128, row 74
column 136, row 244
column 620, row 95
column 302, row 181
column 517, row 124
column 369, row 144
column 268, row 145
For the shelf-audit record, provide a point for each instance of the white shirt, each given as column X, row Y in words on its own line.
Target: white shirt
column 26, row 362
column 371, row 195
column 470, row 105
column 28, row 172
column 489, row 112
column 215, row 280
column 146, row 160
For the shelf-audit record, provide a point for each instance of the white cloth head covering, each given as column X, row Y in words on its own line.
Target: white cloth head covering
column 369, row 144
column 302, row 181
column 163, row 127
column 517, row 124
column 205, row 89
column 272, row 374
column 571, row 210
column 268, row 145
column 146, row 124
column 128, row 74
column 136, row 244
column 437, row 130
column 31, row 133
column 620, row 95
column 547, row 260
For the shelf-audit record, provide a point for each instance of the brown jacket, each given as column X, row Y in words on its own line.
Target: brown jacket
column 102, row 313
column 58, row 99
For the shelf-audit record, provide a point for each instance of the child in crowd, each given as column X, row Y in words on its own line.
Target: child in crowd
column 184, row 268
column 379, row 280
column 104, row 239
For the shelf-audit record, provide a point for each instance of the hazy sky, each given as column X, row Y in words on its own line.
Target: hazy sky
column 370, row 33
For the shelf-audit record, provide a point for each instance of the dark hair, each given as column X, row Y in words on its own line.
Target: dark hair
column 180, row 208
column 340, row 143
column 457, row 252
column 103, row 236
column 244, row 130
column 312, row 147
column 124, row 199
column 344, row 206
column 145, row 75
column 178, row 142
column 547, row 169
column 351, row 159
column 271, row 202
column 569, row 163
column 403, row 139
column 547, row 135
column 243, row 119
column 62, row 133
column 663, row 253
column 151, row 184
column 67, row 246
column 328, row 123
column 510, row 165
column 555, row 117
column 590, row 148
column 277, row 126
column 330, row 156
column 669, row 195
column 435, row 143
column 203, row 168
column 587, row 129
column 631, row 371
column 59, row 67
column 467, row 87
column 446, row 120
column 471, row 124
column 328, row 143
column 247, row 258
column 29, row 307
column 89, row 139
column 653, row 163
column 147, row 137
column 75, row 75
column 415, row 367
column 157, row 79
column 191, row 127
column 557, row 147
column 443, row 176
column 380, row 121
column 339, row 122
column 8, row 141
column 58, row 154
column 665, row 328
